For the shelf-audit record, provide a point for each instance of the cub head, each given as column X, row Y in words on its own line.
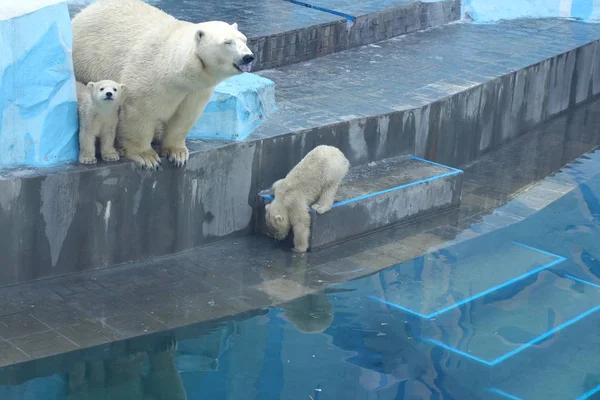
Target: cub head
column 107, row 93
column 276, row 218
column 222, row 50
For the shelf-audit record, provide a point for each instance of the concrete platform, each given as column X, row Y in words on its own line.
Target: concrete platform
column 377, row 195
column 112, row 311
column 283, row 33
column 459, row 102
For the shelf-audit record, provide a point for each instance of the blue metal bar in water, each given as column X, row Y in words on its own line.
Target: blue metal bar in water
column 459, row 352
column 520, row 348
column 581, row 280
column 503, row 393
column 545, row 335
column 478, row 295
column 589, row 394
column 497, row 287
column 389, row 303
column 539, row 250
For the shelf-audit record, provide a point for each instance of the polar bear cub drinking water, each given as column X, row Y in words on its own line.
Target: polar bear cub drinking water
column 312, row 183
column 98, row 107
column 170, row 67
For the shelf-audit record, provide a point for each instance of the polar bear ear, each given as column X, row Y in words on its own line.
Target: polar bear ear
column 199, row 34
column 234, row 26
column 278, row 218
column 123, row 87
column 90, row 85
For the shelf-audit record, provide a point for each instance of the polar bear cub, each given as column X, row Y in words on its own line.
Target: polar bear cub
column 170, row 67
column 98, row 107
column 312, row 183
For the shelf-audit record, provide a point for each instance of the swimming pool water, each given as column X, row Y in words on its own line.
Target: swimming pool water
column 510, row 314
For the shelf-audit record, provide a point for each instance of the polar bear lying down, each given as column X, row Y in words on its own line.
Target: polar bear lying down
column 312, row 183
column 170, row 67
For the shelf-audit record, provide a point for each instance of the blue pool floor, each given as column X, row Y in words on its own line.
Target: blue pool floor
column 499, row 299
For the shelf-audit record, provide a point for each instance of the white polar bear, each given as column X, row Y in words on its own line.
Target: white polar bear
column 170, row 67
column 98, row 106
column 313, row 182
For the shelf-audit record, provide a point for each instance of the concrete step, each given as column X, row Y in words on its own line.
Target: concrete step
column 377, row 195
column 285, row 32
column 446, row 98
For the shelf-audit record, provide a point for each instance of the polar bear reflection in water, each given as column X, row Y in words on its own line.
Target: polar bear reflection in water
column 124, row 378
column 170, row 67
column 157, row 375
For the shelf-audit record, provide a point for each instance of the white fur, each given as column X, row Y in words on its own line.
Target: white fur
column 171, row 68
column 313, row 182
column 98, row 118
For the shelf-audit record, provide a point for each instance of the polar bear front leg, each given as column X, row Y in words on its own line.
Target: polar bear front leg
column 107, row 142
column 178, row 127
column 300, row 220
column 87, row 139
column 135, row 135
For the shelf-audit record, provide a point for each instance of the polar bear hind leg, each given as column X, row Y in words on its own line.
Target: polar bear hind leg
column 326, row 199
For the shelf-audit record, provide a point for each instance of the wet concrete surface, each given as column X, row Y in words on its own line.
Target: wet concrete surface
column 85, row 310
column 446, row 98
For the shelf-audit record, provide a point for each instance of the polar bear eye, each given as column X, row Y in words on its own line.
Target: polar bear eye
column 102, row 89
column 114, row 90
column 229, row 42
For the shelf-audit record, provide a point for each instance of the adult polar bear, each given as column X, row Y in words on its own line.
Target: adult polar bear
column 170, row 67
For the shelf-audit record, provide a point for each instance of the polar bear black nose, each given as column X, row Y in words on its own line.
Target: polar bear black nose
column 248, row 58
column 109, row 94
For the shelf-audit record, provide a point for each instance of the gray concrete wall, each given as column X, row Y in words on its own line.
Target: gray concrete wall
column 74, row 218
column 318, row 40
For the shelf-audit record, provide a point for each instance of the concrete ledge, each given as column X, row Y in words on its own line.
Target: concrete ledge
column 38, row 105
column 72, row 218
column 379, row 23
column 375, row 196
column 282, row 33
column 237, row 107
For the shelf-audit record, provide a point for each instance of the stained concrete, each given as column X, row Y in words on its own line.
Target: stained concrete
column 114, row 311
column 450, row 109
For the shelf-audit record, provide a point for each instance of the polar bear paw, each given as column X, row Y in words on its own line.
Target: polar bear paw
column 302, row 249
column 147, row 159
column 111, row 156
column 177, row 155
column 320, row 209
column 169, row 346
column 87, row 159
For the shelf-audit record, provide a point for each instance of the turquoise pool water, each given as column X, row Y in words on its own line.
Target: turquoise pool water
column 509, row 314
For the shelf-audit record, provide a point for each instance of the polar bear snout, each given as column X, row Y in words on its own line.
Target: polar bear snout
column 245, row 63
column 248, row 58
column 108, row 95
